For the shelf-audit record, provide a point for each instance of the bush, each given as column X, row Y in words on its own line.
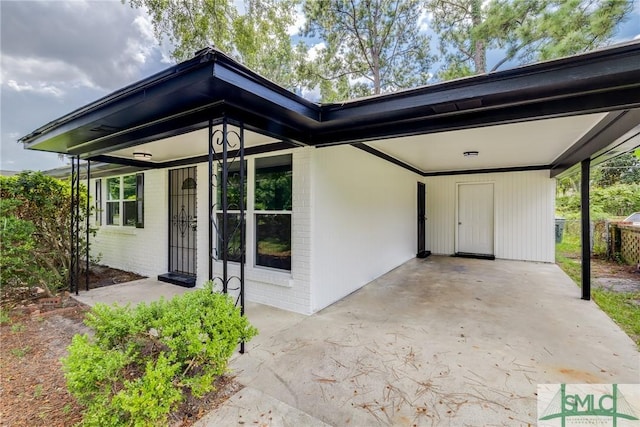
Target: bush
column 34, row 226
column 142, row 361
column 616, row 200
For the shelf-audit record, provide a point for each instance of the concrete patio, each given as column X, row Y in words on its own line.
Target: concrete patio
column 134, row 292
column 437, row 341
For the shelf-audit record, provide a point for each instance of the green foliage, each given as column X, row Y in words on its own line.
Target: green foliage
column 525, row 30
column 4, row 316
column 17, row 327
column 371, row 47
column 141, row 361
column 20, row 352
column 622, row 308
column 253, row 31
column 623, row 169
column 617, row 200
column 34, row 229
column 149, row 398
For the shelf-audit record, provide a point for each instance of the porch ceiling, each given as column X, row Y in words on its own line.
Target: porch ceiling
column 187, row 145
column 534, row 143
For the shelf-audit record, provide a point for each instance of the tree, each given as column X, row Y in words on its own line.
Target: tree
column 34, row 228
column 524, row 30
column 623, row 169
column 371, row 46
column 253, row 32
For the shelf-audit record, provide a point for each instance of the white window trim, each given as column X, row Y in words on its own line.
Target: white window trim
column 261, row 273
column 120, row 201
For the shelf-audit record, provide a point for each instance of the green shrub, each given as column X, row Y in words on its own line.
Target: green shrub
column 142, row 361
column 616, row 200
column 34, row 230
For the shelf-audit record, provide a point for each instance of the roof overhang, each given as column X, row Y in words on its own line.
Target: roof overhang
column 184, row 98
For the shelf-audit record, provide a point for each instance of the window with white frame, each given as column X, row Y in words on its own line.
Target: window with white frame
column 233, row 209
column 272, row 211
column 125, row 201
column 270, row 216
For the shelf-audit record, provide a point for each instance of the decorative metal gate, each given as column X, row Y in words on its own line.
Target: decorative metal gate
column 182, row 221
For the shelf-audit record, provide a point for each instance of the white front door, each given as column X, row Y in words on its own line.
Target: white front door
column 475, row 218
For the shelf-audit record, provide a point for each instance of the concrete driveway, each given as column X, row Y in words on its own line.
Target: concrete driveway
column 439, row 341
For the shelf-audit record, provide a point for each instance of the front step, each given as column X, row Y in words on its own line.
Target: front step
column 178, row 279
column 476, row 256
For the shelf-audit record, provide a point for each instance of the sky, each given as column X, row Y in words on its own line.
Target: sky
column 58, row 55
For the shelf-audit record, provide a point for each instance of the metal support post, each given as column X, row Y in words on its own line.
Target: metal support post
column 585, row 229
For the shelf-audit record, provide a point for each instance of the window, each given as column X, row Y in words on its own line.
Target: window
column 273, row 188
column 125, row 201
column 233, row 209
column 98, row 202
column 271, row 214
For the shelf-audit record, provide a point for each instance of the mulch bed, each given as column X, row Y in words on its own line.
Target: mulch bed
column 32, row 386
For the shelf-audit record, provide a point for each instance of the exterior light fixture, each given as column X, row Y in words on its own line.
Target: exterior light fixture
column 470, row 154
column 140, row 155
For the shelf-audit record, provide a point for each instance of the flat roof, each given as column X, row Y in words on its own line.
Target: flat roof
column 211, row 85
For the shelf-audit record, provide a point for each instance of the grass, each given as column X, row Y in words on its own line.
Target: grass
column 4, row 316
column 17, row 327
column 20, row 352
column 622, row 307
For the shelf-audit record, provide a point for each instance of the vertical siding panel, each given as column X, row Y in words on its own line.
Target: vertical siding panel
column 524, row 211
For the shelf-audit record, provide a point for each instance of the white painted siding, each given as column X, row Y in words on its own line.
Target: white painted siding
column 363, row 220
column 524, row 214
column 144, row 251
column 141, row 250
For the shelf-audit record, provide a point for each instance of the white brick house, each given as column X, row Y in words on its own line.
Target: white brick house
column 335, row 193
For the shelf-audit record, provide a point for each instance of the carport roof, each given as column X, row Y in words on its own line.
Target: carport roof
column 211, row 85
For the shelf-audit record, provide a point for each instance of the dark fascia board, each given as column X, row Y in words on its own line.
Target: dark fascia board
column 117, row 114
column 595, row 82
column 489, row 170
column 561, row 75
column 249, row 151
column 613, row 126
column 119, row 99
column 476, row 118
column 239, row 76
column 598, row 81
column 98, row 170
column 388, row 158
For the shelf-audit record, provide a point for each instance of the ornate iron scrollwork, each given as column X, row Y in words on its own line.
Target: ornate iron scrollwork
column 226, row 237
column 184, row 221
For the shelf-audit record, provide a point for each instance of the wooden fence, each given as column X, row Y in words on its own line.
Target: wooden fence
column 624, row 239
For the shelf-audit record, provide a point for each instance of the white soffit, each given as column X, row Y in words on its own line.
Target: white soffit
column 190, row 144
column 531, row 143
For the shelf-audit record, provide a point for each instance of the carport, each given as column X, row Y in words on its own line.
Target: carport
column 437, row 341
column 212, row 112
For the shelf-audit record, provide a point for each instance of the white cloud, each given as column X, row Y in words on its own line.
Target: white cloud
column 42, row 74
column 424, row 21
column 41, row 88
column 315, row 50
column 312, row 94
column 298, row 23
